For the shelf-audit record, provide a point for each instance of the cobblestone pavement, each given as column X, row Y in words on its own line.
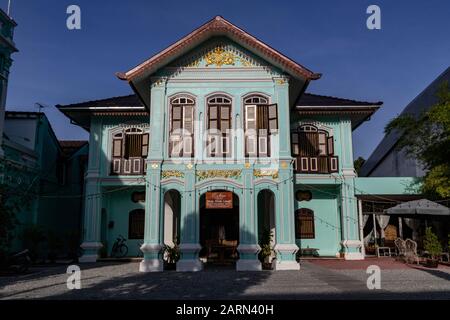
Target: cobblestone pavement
column 313, row 281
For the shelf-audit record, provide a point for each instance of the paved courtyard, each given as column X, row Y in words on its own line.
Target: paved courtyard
column 318, row 279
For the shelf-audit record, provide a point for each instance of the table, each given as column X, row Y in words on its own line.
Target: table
column 309, row 252
column 383, row 251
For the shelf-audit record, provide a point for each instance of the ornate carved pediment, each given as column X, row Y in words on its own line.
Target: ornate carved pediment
column 217, row 55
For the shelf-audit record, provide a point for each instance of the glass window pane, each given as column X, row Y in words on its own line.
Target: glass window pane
column 213, row 124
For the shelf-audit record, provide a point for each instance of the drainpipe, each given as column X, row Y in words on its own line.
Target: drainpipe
column 361, row 231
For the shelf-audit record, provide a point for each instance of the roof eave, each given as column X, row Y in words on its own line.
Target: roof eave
column 216, row 26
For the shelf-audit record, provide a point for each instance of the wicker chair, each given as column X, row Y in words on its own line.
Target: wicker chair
column 401, row 248
column 411, row 251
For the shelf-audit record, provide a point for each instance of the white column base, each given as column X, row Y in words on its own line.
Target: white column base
column 88, row 258
column 189, row 265
column 248, row 265
column 151, row 265
column 286, row 265
column 353, row 256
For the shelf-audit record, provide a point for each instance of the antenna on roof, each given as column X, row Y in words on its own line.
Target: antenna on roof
column 9, row 8
column 40, row 106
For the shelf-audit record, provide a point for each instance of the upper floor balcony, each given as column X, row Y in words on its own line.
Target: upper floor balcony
column 313, row 150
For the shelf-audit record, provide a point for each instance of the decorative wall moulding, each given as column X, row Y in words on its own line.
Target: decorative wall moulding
column 210, row 174
column 260, row 173
column 172, row 174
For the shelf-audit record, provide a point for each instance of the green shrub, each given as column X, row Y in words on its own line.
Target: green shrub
column 265, row 244
column 431, row 244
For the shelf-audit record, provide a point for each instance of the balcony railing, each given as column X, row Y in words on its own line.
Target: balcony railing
column 130, row 166
column 319, row 164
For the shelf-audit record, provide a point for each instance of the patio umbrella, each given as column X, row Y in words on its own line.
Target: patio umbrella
column 419, row 207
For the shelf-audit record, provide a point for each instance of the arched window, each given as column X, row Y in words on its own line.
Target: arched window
column 261, row 121
column 314, row 150
column 304, row 224
column 129, row 149
column 181, row 140
column 219, row 126
column 136, row 220
column 256, row 99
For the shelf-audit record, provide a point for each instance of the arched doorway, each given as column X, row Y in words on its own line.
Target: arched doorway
column 266, row 219
column 219, row 227
column 172, row 203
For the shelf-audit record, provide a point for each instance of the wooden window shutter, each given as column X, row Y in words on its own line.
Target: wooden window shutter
column 304, row 226
column 273, row 116
column 251, row 138
column 117, row 148
column 330, row 145
column 145, row 144
column 136, row 222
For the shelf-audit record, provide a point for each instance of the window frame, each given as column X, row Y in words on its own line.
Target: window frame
column 175, row 141
column 225, row 102
column 257, row 101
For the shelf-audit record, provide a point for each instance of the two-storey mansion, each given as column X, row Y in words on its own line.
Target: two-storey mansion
column 218, row 147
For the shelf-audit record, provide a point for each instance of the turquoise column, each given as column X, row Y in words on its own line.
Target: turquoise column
column 351, row 243
column 93, row 197
column 285, row 246
column 248, row 226
column 154, row 208
column 189, row 225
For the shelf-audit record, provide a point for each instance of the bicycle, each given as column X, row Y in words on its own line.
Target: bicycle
column 119, row 249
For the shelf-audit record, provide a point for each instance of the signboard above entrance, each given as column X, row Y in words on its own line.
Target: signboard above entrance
column 219, row 200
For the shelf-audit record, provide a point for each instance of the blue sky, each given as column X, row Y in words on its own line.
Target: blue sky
column 58, row 66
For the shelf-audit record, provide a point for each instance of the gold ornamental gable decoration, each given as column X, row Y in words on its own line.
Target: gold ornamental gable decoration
column 219, row 57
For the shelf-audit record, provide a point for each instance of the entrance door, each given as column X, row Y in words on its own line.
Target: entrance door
column 219, row 231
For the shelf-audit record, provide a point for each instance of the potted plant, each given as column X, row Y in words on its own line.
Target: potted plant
column 266, row 252
column 434, row 248
column 171, row 256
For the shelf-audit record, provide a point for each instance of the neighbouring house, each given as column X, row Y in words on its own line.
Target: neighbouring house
column 218, row 145
column 46, row 173
column 7, row 48
column 389, row 161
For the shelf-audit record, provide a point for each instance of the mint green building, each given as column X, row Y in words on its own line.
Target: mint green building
column 219, row 145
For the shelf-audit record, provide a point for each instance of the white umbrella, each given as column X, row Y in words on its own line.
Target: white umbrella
column 419, row 207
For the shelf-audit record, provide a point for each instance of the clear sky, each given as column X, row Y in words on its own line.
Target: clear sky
column 58, row 66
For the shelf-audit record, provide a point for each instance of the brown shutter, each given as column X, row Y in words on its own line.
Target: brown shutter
column 117, row 148
column 330, row 145
column 145, row 144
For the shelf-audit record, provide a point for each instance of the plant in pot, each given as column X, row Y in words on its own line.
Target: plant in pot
column 434, row 248
column 171, row 255
column 267, row 251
